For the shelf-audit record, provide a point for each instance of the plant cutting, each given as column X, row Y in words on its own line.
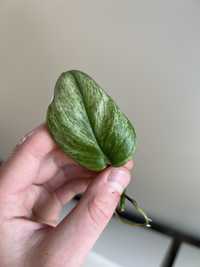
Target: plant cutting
column 89, row 127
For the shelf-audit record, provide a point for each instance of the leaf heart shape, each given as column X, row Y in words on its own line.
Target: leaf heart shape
column 87, row 125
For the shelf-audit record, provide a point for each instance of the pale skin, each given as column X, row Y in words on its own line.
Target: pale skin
column 35, row 183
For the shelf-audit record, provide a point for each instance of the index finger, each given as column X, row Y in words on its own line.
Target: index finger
column 20, row 170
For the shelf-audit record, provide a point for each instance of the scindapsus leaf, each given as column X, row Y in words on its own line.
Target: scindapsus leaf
column 87, row 124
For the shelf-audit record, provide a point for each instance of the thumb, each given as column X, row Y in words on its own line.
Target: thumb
column 77, row 233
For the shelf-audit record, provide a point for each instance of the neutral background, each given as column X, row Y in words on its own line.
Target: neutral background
column 145, row 53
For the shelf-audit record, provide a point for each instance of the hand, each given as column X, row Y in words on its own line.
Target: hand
column 35, row 183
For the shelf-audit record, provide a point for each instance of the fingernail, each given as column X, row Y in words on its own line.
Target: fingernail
column 26, row 136
column 118, row 179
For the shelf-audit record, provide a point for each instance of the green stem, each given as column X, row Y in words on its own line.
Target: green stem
column 121, row 209
column 122, row 203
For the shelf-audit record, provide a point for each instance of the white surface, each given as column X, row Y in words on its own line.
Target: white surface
column 188, row 256
column 95, row 260
column 146, row 53
column 132, row 246
column 129, row 246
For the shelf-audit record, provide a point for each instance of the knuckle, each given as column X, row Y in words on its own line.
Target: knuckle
column 99, row 211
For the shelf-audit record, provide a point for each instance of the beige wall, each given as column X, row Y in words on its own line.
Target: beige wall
column 147, row 55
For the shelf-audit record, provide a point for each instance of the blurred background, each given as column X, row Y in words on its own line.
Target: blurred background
column 146, row 55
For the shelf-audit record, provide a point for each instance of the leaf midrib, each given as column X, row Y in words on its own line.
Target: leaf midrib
column 89, row 120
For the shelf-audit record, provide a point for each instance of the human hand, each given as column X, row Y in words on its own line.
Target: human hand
column 35, row 183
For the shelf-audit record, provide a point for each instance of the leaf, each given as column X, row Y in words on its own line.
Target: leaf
column 87, row 124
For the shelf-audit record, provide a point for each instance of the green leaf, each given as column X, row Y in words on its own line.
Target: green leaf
column 87, row 124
